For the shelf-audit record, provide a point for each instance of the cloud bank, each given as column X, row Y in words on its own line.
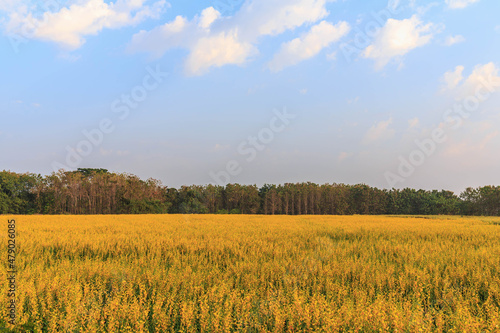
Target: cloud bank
column 215, row 41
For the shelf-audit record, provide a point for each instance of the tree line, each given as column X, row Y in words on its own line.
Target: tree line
column 98, row 191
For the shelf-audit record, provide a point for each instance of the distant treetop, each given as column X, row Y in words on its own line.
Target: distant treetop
column 90, row 171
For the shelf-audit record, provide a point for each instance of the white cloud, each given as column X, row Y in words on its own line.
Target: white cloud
column 413, row 122
column 162, row 38
column 379, row 132
column 69, row 56
column 12, row 6
column 397, row 38
column 7, row 5
column 353, row 101
column 105, row 152
column 451, row 40
column 308, row 45
column 110, row 152
column 459, row 4
column 472, row 145
column 219, row 148
column 69, row 25
column 344, row 155
column 122, row 152
column 487, row 139
column 423, row 9
column 207, row 48
column 217, row 51
column 214, row 41
column 273, row 17
column 332, row 56
column 208, row 16
column 451, row 79
column 483, row 76
column 497, row 29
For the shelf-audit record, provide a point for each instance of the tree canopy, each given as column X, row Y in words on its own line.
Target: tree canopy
column 98, row 191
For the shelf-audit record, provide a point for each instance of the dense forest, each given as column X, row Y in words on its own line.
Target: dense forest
column 97, row 191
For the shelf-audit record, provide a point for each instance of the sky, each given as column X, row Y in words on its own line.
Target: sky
column 391, row 94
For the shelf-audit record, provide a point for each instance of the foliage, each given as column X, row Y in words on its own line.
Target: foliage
column 98, row 191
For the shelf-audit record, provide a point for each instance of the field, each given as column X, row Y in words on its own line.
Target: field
column 239, row 273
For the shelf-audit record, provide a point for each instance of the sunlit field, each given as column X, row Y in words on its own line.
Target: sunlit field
column 239, row 273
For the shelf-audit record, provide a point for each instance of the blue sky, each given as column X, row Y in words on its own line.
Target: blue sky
column 387, row 93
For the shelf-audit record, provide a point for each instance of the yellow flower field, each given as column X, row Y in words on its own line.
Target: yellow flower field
column 240, row 273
